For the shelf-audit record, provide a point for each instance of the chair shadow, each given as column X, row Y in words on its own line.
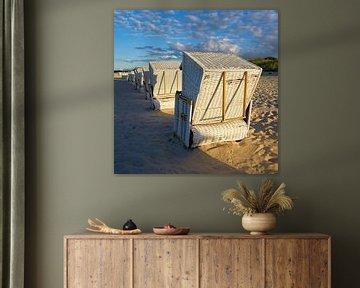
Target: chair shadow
column 144, row 141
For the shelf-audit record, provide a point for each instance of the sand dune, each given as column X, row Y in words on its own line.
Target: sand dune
column 144, row 141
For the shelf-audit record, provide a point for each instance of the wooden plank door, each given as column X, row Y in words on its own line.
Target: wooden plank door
column 287, row 263
column 297, row 263
column 170, row 263
column 98, row 263
column 231, row 263
column 320, row 263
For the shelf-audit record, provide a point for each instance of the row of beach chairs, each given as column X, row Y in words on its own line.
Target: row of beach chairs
column 211, row 94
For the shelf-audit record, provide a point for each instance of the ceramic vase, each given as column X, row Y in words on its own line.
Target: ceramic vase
column 259, row 223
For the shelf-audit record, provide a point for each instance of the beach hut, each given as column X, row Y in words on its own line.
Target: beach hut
column 138, row 77
column 165, row 80
column 146, row 73
column 216, row 98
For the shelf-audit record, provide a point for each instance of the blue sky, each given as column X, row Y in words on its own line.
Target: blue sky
column 141, row 36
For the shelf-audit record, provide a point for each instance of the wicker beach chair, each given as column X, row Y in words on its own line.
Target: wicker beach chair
column 146, row 80
column 165, row 80
column 216, row 98
column 138, row 78
column 131, row 77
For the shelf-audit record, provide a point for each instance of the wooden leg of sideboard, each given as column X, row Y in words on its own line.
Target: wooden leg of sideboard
column 65, row 263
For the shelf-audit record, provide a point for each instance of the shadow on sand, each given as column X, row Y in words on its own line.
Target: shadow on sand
column 144, row 142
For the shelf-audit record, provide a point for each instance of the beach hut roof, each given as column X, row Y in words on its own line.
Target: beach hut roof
column 218, row 61
column 162, row 65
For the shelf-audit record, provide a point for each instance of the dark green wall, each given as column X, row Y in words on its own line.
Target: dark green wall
column 69, row 85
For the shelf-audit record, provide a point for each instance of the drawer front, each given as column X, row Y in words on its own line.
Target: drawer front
column 231, row 263
column 98, row 263
column 165, row 263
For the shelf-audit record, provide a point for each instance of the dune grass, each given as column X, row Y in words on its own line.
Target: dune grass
column 267, row 63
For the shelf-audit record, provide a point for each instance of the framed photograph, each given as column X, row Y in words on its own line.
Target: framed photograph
column 195, row 91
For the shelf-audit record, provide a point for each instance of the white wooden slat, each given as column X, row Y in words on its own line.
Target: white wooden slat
column 220, row 132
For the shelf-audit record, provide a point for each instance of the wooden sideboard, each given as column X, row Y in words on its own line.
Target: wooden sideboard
column 197, row 260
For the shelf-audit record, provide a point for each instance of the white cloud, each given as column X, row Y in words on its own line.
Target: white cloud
column 264, row 15
column 178, row 46
column 154, row 28
column 255, row 30
column 211, row 45
column 198, row 34
column 220, row 45
column 169, row 57
column 192, row 18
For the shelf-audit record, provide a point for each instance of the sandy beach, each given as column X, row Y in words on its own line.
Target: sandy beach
column 144, row 142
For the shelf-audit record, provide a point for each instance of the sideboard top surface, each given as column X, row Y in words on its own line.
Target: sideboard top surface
column 87, row 235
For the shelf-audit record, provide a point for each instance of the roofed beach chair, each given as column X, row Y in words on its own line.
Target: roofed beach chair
column 131, row 77
column 146, row 79
column 216, row 99
column 165, row 80
column 138, row 77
